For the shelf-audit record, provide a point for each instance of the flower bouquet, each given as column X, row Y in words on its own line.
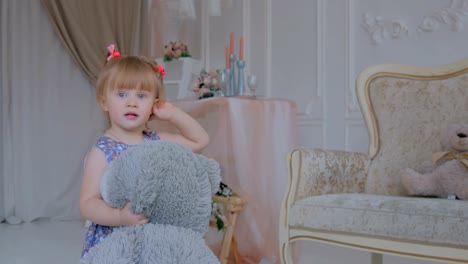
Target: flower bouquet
column 216, row 208
column 175, row 50
column 207, row 85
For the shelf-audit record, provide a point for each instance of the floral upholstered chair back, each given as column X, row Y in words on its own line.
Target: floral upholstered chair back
column 405, row 111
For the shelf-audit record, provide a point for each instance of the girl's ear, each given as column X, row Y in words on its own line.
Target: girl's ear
column 102, row 103
column 157, row 103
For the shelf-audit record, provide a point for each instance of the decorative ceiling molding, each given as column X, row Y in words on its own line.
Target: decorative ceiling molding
column 452, row 18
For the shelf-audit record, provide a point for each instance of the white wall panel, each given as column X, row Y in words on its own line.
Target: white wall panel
column 335, row 68
column 258, row 45
column 294, row 51
column 311, row 132
column 356, row 137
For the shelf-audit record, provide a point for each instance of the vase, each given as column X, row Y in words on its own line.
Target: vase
column 206, row 95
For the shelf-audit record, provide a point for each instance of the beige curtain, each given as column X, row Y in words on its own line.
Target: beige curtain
column 87, row 27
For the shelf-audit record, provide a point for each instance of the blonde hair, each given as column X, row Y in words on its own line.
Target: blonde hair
column 130, row 72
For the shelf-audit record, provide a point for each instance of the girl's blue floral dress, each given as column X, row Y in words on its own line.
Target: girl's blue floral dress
column 112, row 149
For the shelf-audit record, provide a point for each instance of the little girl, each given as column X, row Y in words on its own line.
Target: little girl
column 130, row 91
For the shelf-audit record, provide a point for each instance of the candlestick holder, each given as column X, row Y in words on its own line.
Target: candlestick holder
column 240, row 81
column 232, row 77
column 226, row 82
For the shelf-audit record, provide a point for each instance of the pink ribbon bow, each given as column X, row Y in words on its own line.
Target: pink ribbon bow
column 112, row 52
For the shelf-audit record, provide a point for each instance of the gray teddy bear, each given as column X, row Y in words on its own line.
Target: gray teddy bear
column 173, row 187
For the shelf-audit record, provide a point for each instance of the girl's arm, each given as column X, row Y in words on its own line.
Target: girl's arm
column 92, row 206
column 191, row 134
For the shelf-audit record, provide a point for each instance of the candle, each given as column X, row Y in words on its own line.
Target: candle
column 227, row 57
column 231, row 43
column 241, row 48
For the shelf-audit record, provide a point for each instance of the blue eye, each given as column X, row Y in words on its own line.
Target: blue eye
column 122, row 94
column 141, row 95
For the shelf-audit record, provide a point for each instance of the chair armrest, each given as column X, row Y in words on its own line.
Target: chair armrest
column 314, row 172
column 317, row 171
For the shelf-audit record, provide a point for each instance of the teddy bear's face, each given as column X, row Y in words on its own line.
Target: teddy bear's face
column 458, row 137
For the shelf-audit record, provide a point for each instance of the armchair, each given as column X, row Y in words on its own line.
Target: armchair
column 356, row 199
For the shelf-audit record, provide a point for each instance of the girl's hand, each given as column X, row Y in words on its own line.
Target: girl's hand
column 163, row 111
column 128, row 218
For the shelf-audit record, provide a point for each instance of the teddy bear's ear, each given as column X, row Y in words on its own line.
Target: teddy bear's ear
column 452, row 127
column 447, row 133
column 213, row 171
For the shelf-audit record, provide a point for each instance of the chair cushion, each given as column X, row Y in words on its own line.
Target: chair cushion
column 430, row 220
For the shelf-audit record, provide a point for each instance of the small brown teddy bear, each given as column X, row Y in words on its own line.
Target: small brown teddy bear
column 448, row 177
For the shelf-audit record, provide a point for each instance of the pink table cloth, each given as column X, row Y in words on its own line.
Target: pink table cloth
column 250, row 138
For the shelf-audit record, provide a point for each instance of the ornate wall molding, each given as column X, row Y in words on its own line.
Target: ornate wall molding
column 268, row 47
column 205, row 32
column 451, row 18
column 246, row 22
column 352, row 106
column 319, row 98
column 321, row 16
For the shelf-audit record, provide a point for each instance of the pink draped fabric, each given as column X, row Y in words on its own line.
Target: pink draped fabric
column 250, row 138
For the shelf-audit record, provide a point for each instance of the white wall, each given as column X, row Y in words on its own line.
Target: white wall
column 311, row 51
column 337, row 45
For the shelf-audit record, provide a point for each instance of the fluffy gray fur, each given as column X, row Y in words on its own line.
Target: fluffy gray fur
column 174, row 188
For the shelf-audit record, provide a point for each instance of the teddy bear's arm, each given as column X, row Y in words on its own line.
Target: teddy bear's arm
column 427, row 166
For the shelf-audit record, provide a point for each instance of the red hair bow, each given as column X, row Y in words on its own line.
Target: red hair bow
column 112, row 52
column 161, row 70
